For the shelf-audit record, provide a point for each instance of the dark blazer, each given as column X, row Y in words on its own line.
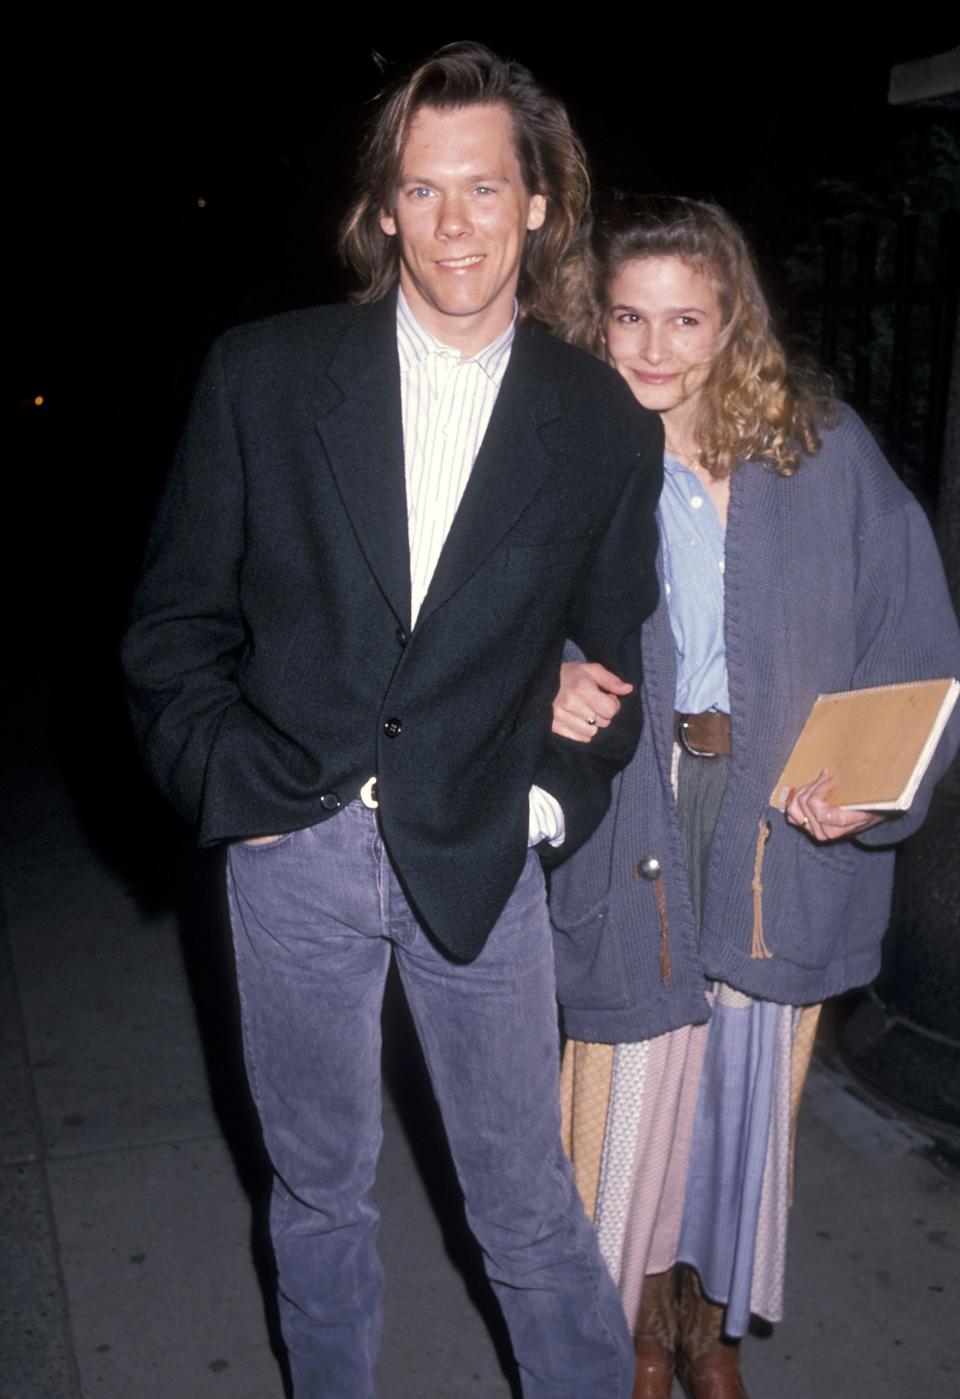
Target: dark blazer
column 271, row 663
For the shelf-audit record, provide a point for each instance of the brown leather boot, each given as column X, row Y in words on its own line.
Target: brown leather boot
column 655, row 1337
column 708, row 1364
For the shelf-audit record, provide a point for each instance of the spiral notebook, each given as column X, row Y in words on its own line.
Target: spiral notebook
column 876, row 742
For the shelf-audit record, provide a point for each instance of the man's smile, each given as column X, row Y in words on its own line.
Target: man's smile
column 462, row 213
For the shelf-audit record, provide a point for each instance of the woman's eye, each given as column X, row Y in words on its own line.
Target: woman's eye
column 420, row 192
column 688, row 320
column 484, row 189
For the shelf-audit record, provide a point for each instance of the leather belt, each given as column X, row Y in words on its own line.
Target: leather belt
column 704, row 735
column 368, row 794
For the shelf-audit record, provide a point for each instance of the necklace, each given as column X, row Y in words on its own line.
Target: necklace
column 688, row 459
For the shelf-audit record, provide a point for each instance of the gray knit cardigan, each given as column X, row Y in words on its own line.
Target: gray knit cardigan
column 832, row 581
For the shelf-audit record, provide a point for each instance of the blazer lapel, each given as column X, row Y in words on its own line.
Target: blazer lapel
column 511, row 467
column 362, row 432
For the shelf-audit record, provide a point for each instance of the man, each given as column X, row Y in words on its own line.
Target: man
column 382, row 523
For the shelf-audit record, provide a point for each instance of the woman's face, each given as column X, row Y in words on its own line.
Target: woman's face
column 663, row 331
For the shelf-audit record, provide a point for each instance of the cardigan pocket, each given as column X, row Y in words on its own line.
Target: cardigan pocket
column 591, row 971
column 814, row 899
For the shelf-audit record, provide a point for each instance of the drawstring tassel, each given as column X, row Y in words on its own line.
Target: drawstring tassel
column 759, row 948
column 666, row 970
column 649, row 868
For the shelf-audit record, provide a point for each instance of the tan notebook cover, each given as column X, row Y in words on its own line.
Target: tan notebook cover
column 877, row 743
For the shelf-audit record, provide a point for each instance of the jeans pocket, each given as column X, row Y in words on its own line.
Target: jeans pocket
column 256, row 843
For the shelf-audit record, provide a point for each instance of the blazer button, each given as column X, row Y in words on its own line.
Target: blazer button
column 392, row 728
column 330, row 801
column 401, row 636
column 649, row 866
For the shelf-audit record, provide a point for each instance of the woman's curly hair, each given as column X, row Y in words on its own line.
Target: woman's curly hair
column 752, row 406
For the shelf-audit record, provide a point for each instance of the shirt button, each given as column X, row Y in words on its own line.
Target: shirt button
column 330, row 801
column 401, row 636
column 392, row 728
column 696, row 501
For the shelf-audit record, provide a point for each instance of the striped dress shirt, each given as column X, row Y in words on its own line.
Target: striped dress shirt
column 446, row 402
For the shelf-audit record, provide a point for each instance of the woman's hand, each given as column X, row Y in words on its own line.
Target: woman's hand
column 587, row 699
column 809, row 809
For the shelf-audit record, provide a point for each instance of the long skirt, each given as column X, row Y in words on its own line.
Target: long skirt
column 682, row 1145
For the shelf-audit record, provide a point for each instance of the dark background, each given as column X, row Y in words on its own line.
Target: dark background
column 167, row 186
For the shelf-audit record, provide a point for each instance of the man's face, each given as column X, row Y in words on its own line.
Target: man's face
column 461, row 212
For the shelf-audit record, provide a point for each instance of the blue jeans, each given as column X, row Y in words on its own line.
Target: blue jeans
column 315, row 916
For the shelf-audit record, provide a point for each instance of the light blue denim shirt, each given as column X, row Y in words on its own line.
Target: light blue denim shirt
column 693, row 562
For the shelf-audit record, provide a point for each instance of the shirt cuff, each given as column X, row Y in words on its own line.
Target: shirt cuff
column 545, row 819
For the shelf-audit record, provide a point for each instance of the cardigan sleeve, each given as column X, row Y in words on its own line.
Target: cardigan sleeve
column 905, row 623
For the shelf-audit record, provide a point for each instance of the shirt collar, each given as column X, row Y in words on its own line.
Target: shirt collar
column 673, row 466
column 415, row 344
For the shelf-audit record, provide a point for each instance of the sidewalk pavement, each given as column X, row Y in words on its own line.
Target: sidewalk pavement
column 131, row 1184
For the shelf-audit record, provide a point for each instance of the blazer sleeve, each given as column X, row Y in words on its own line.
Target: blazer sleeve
column 616, row 594
column 186, row 628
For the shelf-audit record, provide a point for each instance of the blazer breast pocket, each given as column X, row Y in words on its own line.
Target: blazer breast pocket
column 546, row 555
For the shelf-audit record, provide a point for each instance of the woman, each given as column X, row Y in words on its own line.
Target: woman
column 793, row 562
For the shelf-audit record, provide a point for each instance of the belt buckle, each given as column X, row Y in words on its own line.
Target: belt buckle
column 368, row 793
column 685, row 743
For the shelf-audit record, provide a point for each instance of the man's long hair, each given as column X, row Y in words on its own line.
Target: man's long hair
column 551, row 160
column 753, row 406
